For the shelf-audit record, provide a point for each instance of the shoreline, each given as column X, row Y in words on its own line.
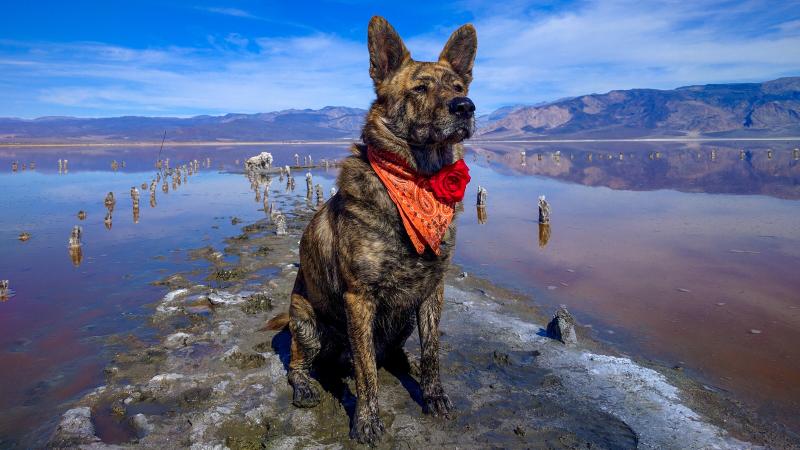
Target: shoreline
column 353, row 141
column 212, row 379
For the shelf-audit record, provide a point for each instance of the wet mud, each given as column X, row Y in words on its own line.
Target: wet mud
column 216, row 378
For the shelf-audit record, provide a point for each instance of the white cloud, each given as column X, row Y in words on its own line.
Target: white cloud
column 305, row 72
column 234, row 12
column 600, row 46
column 526, row 54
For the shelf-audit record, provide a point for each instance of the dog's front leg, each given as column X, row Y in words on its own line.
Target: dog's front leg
column 437, row 402
column 367, row 426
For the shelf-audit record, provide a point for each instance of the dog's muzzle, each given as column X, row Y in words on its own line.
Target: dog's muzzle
column 462, row 107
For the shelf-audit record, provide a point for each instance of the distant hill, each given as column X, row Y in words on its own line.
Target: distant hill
column 770, row 109
column 332, row 122
column 714, row 110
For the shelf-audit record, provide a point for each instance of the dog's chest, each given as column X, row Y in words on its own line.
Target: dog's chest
column 407, row 278
column 384, row 260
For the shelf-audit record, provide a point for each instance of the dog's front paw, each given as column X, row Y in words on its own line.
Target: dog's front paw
column 367, row 429
column 306, row 394
column 438, row 405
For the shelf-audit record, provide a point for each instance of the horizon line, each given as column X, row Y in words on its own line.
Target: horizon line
column 348, row 142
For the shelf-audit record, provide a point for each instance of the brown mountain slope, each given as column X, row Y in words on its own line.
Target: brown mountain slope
column 715, row 110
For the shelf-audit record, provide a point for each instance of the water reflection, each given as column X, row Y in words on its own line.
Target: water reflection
column 618, row 259
column 76, row 255
column 54, row 337
column 75, row 246
column 544, row 234
column 699, row 167
column 482, row 214
column 640, row 254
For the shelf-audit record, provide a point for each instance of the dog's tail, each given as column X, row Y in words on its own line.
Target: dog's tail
column 278, row 322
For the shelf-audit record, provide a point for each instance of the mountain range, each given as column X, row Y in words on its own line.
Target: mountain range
column 713, row 110
column 769, row 109
column 331, row 122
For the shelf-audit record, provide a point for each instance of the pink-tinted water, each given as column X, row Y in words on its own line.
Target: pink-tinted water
column 687, row 255
column 54, row 331
column 684, row 254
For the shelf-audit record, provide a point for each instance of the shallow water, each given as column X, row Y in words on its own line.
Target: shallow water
column 672, row 252
column 675, row 255
column 54, row 330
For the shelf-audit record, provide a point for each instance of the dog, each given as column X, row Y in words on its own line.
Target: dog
column 366, row 280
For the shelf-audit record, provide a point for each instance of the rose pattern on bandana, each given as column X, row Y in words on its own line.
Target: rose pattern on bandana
column 449, row 184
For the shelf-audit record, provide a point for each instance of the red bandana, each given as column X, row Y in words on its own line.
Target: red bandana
column 426, row 204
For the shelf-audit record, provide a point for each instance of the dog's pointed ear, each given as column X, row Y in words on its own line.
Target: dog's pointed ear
column 386, row 50
column 460, row 51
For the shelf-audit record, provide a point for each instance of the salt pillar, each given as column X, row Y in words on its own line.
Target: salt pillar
column 280, row 225
column 482, row 194
column 544, row 210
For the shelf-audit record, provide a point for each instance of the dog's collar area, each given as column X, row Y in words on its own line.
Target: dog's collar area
column 426, row 216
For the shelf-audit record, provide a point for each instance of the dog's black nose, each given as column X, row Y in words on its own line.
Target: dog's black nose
column 462, row 106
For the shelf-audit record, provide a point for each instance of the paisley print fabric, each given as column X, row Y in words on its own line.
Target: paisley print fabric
column 425, row 218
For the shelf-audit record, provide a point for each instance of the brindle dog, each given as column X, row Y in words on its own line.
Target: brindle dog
column 362, row 287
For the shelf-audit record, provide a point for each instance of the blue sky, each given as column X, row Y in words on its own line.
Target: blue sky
column 159, row 58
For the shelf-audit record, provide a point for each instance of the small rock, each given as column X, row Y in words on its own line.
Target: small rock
column 244, row 361
column 76, row 428
column 501, row 359
column 142, row 425
column 227, row 274
column 462, row 276
column 177, row 340
column 562, row 327
column 118, row 409
column 174, row 282
column 164, row 380
column 195, row 395
column 224, row 298
column 519, row 431
column 257, row 303
column 171, row 296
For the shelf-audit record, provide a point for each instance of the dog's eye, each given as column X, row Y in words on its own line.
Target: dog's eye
column 458, row 88
column 421, row 89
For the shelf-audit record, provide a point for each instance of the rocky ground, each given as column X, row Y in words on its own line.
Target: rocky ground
column 217, row 380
